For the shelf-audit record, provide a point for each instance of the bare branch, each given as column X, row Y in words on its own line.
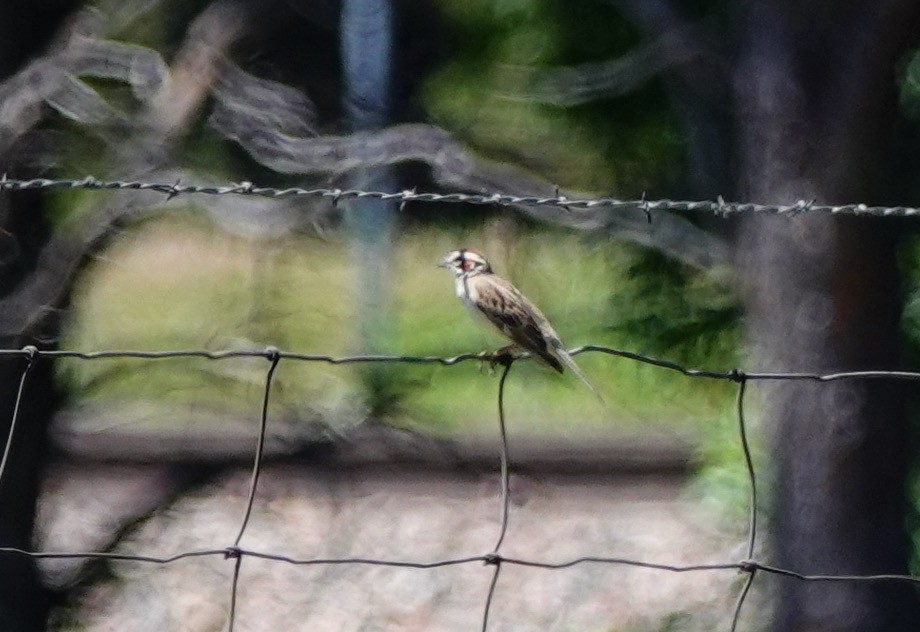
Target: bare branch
column 142, row 68
column 573, row 85
column 276, row 104
column 175, row 103
column 77, row 101
column 455, row 167
column 196, row 66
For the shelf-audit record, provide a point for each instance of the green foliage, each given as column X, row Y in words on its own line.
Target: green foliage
column 626, row 144
column 179, row 283
column 155, row 290
column 678, row 312
column 910, row 86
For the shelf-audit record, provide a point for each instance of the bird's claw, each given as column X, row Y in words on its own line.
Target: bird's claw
column 500, row 357
column 486, row 357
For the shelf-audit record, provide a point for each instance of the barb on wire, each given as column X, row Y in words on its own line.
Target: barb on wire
column 717, row 207
column 495, row 561
column 174, row 192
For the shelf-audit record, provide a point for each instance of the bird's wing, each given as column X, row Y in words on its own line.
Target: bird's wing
column 516, row 317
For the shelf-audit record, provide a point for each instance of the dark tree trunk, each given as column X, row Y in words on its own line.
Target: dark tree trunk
column 24, row 602
column 815, row 88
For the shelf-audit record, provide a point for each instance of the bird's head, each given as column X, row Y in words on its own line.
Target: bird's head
column 465, row 261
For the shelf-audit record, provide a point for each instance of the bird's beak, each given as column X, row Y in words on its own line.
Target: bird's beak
column 444, row 263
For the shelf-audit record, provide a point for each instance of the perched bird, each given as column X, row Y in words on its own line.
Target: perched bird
column 486, row 294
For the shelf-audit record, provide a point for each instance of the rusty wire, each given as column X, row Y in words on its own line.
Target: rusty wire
column 748, row 566
column 718, row 206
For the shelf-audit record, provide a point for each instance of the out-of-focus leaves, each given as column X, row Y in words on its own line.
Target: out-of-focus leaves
column 679, row 312
column 144, row 154
column 910, row 86
column 456, row 167
column 252, row 217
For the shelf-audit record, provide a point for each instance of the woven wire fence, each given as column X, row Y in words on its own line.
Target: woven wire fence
column 492, row 558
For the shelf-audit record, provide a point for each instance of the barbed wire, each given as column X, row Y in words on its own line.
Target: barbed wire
column 718, row 206
column 749, row 566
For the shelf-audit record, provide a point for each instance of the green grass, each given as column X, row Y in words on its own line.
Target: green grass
column 178, row 283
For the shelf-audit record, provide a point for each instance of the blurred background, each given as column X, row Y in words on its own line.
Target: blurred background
column 765, row 101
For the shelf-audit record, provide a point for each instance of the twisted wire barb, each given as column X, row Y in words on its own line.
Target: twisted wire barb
column 716, row 207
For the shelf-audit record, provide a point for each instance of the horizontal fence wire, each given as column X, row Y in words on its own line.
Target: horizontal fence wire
column 718, row 206
column 748, row 566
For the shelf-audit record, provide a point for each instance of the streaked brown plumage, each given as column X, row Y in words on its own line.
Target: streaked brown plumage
column 488, row 296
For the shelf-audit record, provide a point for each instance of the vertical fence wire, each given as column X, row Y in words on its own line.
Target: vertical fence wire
column 740, row 377
column 234, row 552
column 274, row 359
column 30, row 354
column 494, row 559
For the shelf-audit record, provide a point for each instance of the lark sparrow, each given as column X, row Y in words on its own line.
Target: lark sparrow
column 487, row 295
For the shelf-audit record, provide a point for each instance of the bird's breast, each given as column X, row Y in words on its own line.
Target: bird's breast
column 466, row 290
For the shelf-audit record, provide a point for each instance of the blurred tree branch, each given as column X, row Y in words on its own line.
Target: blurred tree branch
column 178, row 97
column 276, row 124
column 54, row 79
column 574, row 85
column 455, row 167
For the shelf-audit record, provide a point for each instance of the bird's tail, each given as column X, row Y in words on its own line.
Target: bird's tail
column 570, row 362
